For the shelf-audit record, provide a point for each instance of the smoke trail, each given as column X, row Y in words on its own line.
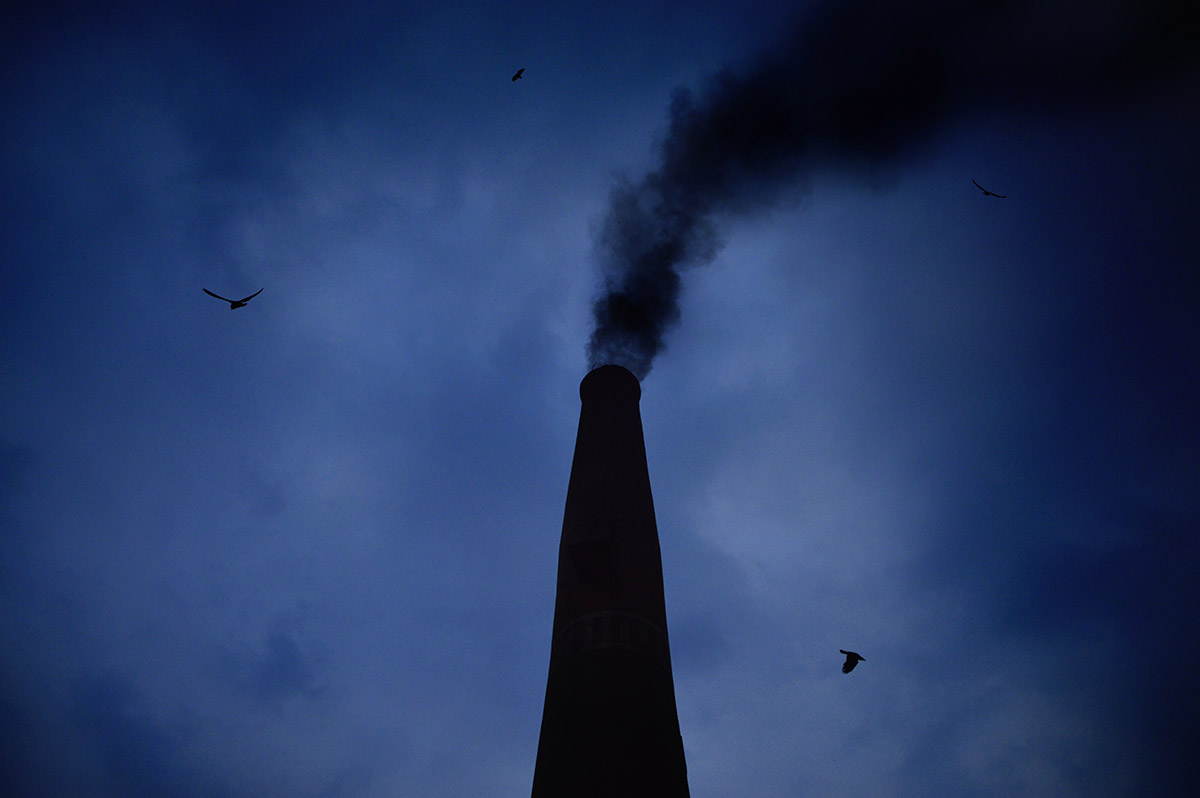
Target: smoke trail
column 854, row 84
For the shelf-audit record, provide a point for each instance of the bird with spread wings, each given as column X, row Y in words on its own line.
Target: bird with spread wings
column 234, row 304
column 987, row 193
column 518, row 76
column 852, row 659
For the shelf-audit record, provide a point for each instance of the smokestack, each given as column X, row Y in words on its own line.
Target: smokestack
column 609, row 726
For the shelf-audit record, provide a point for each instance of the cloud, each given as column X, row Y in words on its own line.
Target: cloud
column 284, row 668
column 138, row 755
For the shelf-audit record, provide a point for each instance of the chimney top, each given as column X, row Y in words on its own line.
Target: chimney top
column 610, row 382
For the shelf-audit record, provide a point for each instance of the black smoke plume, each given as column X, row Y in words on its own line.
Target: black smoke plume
column 855, row 84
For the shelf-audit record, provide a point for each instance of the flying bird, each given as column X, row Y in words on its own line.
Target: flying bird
column 987, row 193
column 517, row 76
column 234, row 304
column 852, row 659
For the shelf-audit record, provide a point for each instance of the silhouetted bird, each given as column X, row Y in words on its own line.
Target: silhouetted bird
column 234, row 304
column 518, row 75
column 852, row 659
column 987, row 193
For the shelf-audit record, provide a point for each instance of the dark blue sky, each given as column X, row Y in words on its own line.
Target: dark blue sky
column 309, row 547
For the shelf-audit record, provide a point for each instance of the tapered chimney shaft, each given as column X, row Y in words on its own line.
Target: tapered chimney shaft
column 610, row 727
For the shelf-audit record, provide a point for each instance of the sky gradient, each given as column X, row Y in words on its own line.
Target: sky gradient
column 308, row 547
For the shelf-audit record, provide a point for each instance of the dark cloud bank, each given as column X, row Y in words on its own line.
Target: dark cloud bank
column 852, row 86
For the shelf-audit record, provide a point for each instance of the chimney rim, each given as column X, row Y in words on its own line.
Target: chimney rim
column 612, row 380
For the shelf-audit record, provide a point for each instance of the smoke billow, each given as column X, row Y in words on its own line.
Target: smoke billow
column 855, row 84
